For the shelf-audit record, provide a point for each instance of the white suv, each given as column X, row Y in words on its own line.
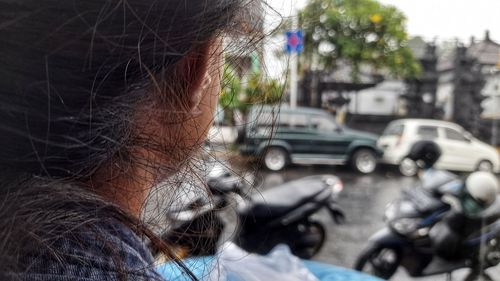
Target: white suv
column 461, row 151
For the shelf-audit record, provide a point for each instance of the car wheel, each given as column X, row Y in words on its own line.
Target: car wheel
column 275, row 158
column 364, row 161
column 408, row 168
column 485, row 166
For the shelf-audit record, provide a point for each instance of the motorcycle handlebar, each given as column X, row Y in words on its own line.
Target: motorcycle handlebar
column 336, row 213
column 225, row 185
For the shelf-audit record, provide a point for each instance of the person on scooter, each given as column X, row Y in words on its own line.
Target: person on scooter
column 426, row 154
column 480, row 192
column 468, row 199
column 477, row 194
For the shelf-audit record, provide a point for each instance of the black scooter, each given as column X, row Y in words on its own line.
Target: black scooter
column 282, row 214
column 414, row 224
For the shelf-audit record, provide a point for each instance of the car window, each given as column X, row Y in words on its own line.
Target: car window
column 323, row 123
column 298, row 120
column 454, row 135
column 282, row 120
column 394, row 130
column 265, row 119
column 427, row 132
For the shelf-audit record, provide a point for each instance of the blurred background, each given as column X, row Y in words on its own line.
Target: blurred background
column 388, row 72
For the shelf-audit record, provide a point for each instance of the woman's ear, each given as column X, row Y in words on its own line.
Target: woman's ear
column 192, row 73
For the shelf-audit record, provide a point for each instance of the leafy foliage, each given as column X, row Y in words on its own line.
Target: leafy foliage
column 359, row 32
column 238, row 94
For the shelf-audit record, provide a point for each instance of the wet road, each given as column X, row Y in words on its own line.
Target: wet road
column 364, row 199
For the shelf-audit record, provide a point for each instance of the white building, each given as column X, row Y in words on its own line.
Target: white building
column 383, row 99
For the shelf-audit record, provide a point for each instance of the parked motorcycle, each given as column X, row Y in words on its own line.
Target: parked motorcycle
column 430, row 231
column 282, row 214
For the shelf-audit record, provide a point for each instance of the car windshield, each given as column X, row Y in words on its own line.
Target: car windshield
column 394, row 129
column 453, row 134
column 323, row 123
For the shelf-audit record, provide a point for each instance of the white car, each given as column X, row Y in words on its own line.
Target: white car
column 460, row 150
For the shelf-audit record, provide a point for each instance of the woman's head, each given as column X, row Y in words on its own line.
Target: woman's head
column 92, row 83
column 100, row 92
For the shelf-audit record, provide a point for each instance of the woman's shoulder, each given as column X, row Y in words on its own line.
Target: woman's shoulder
column 63, row 232
column 106, row 250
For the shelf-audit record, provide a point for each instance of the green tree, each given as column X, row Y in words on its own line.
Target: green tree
column 359, row 32
column 255, row 90
column 261, row 90
column 229, row 98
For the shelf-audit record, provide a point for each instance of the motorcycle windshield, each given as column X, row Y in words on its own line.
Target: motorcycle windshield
column 423, row 200
column 401, row 209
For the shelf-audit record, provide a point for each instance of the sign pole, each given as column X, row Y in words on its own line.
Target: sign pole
column 294, row 45
column 294, row 63
column 293, row 80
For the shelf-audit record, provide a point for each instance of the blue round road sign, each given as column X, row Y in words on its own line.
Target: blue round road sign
column 295, row 41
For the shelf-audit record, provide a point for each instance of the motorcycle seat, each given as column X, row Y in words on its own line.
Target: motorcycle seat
column 285, row 197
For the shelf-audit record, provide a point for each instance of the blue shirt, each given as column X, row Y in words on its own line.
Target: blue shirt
column 107, row 251
column 201, row 268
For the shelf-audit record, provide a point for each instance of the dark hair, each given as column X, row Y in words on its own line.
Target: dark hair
column 72, row 72
column 72, row 75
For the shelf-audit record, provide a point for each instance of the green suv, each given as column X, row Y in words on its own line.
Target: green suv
column 282, row 135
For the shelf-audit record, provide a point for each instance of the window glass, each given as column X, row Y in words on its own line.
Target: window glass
column 268, row 119
column 427, row 132
column 454, row 135
column 298, row 120
column 265, row 119
column 282, row 120
column 394, row 130
column 323, row 123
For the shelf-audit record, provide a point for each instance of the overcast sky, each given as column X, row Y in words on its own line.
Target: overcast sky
column 432, row 19
column 441, row 19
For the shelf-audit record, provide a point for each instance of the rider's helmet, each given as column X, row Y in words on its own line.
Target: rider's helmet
column 481, row 189
column 425, row 152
